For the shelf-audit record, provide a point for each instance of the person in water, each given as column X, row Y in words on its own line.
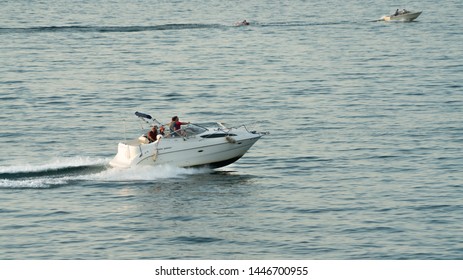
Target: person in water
column 175, row 126
column 153, row 135
column 241, row 23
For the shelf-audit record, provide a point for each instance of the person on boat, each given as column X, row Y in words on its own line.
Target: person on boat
column 175, row 127
column 153, row 135
column 161, row 130
column 396, row 12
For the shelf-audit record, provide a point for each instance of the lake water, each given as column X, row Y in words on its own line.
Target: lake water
column 363, row 161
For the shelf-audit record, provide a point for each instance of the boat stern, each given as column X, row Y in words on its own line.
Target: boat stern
column 125, row 157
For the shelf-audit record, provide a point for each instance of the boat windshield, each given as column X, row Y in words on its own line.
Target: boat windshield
column 193, row 129
column 212, row 125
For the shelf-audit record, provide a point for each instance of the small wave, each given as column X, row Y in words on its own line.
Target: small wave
column 161, row 27
column 300, row 23
column 104, row 29
column 196, row 239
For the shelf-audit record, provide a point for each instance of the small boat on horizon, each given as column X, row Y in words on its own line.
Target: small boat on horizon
column 401, row 15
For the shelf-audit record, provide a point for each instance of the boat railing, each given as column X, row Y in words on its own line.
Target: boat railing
column 247, row 127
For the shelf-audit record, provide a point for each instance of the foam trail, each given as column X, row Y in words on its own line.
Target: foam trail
column 57, row 172
column 55, row 164
column 144, row 173
column 41, row 183
column 63, row 171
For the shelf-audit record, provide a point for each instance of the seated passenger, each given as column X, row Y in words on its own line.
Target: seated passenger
column 153, row 134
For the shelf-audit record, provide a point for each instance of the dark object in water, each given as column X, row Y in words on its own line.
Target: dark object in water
column 142, row 115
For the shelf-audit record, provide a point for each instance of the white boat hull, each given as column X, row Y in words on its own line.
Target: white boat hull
column 192, row 151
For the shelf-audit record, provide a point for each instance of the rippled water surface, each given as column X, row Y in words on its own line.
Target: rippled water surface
column 363, row 160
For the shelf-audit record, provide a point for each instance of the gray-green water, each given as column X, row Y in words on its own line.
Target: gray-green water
column 363, row 161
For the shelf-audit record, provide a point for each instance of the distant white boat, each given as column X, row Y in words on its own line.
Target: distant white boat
column 402, row 15
column 209, row 144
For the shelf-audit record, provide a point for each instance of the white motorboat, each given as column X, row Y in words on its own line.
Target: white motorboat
column 402, row 15
column 194, row 145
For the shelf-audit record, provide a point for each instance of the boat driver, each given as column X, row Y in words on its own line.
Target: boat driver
column 175, row 127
